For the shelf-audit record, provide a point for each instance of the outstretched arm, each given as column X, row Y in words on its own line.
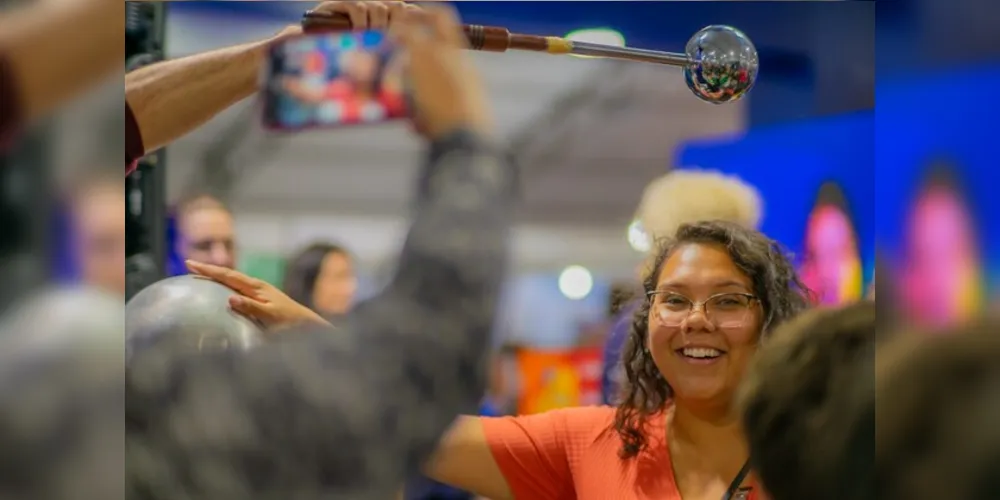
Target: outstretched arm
column 171, row 98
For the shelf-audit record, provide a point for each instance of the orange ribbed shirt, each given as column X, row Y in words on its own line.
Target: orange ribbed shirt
column 569, row 455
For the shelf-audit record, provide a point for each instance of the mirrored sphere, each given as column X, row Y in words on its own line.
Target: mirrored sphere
column 190, row 313
column 723, row 64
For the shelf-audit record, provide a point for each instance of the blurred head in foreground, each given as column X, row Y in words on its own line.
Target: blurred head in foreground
column 97, row 205
column 938, row 412
column 206, row 231
column 803, row 397
column 61, row 423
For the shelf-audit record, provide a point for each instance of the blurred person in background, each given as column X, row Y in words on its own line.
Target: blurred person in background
column 98, row 228
column 322, row 277
column 206, row 231
column 677, row 198
column 801, row 406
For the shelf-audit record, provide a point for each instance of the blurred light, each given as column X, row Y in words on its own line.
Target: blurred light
column 603, row 36
column 575, row 282
column 637, row 237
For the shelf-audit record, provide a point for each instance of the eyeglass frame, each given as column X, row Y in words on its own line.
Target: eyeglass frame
column 700, row 304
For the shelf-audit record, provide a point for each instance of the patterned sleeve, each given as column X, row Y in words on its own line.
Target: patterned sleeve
column 352, row 412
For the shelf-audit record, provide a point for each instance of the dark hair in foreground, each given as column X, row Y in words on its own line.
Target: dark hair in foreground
column 803, row 396
column 938, row 415
column 775, row 283
column 61, row 420
column 304, row 268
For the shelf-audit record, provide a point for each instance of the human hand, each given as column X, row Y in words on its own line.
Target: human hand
column 258, row 299
column 375, row 15
column 447, row 91
column 367, row 15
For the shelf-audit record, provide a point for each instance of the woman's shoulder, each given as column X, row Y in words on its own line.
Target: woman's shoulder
column 587, row 415
column 586, row 426
column 577, row 420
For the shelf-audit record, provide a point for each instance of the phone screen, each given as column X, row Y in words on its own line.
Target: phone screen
column 330, row 80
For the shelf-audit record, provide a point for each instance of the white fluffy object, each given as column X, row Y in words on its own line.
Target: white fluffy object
column 685, row 196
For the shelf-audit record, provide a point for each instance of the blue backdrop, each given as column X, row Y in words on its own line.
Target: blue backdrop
column 919, row 118
column 789, row 163
column 940, row 115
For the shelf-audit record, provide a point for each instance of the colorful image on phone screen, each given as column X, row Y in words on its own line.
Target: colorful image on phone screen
column 330, row 80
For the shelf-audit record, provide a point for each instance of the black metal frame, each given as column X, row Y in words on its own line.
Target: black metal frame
column 145, row 190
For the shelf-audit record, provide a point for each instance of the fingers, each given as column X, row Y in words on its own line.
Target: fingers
column 438, row 24
column 357, row 12
column 412, row 30
column 249, row 307
column 233, row 279
column 367, row 15
column 446, row 26
column 399, row 9
column 378, row 16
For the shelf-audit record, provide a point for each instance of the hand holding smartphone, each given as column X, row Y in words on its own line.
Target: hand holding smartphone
column 339, row 79
column 331, row 80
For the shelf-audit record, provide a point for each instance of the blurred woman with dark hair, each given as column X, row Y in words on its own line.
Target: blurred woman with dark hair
column 322, row 277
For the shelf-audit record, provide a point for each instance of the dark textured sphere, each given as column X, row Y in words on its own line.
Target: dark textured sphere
column 189, row 313
column 723, row 65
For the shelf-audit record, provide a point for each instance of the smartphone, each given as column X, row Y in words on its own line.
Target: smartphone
column 332, row 80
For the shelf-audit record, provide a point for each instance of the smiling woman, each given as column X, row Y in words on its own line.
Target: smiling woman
column 714, row 291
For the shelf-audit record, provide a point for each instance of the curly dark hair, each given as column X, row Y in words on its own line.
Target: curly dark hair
column 775, row 283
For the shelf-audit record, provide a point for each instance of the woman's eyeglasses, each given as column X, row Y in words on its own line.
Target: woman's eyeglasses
column 725, row 310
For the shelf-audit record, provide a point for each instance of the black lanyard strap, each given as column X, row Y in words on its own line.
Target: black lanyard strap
column 734, row 486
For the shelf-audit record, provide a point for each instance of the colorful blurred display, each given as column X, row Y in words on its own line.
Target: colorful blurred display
column 552, row 379
column 942, row 270
column 831, row 266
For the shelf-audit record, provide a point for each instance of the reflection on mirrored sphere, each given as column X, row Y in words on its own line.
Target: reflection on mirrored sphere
column 723, row 64
column 188, row 313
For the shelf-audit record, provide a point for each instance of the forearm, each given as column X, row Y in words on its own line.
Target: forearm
column 171, row 98
column 58, row 49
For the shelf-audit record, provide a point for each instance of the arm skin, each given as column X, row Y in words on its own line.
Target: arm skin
column 354, row 412
column 171, row 98
column 52, row 51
